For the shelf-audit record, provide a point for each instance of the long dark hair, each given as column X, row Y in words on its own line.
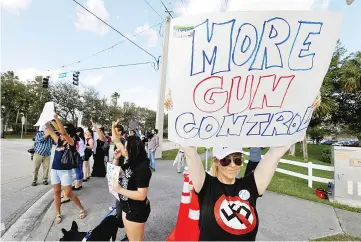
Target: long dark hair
column 81, row 131
column 91, row 132
column 136, row 150
column 70, row 129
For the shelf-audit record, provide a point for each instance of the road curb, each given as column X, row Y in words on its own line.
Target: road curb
column 22, row 228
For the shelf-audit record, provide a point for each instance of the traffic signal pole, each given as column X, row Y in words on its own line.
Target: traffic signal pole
column 162, row 84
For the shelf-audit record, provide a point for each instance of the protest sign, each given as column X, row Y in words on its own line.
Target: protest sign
column 111, row 169
column 247, row 78
column 46, row 115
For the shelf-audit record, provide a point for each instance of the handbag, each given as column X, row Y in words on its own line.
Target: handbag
column 70, row 159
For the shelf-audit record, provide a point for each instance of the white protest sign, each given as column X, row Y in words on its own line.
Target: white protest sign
column 46, row 115
column 247, row 78
column 110, row 170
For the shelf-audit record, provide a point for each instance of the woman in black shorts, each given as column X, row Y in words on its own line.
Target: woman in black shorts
column 88, row 153
column 132, row 185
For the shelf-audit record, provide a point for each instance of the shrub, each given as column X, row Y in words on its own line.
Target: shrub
column 326, row 156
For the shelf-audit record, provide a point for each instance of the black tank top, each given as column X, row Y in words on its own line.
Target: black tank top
column 228, row 212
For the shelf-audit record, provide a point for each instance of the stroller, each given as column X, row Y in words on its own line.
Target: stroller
column 180, row 161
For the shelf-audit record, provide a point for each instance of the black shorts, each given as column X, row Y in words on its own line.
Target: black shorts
column 118, row 206
column 139, row 215
column 87, row 155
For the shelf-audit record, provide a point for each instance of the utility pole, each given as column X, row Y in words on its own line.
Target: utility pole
column 161, row 95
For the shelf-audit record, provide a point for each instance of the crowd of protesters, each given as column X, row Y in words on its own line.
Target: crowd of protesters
column 134, row 152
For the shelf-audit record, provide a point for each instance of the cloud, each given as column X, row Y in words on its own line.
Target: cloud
column 91, row 80
column 14, row 6
column 87, row 22
column 151, row 34
column 141, row 96
column 207, row 6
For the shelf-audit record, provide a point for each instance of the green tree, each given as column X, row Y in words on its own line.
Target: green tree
column 67, row 101
column 12, row 97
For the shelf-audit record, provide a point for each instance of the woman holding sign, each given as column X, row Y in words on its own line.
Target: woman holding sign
column 132, row 184
column 228, row 204
column 62, row 175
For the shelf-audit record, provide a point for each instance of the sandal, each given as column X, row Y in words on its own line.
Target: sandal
column 82, row 214
column 65, row 200
column 58, row 219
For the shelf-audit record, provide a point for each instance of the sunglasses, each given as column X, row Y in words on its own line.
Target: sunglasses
column 226, row 161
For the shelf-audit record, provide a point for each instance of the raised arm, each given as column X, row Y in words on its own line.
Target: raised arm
column 195, row 166
column 99, row 132
column 49, row 131
column 116, row 139
column 267, row 166
column 62, row 130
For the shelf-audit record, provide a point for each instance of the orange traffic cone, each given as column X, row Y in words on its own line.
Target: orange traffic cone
column 193, row 218
column 178, row 232
column 190, row 186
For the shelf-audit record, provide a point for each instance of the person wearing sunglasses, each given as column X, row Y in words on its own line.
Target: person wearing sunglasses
column 228, row 204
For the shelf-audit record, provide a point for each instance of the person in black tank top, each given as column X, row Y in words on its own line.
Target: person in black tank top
column 87, row 153
column 228, row 204
column 133, row 184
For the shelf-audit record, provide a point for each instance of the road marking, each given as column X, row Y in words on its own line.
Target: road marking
column 16, row 151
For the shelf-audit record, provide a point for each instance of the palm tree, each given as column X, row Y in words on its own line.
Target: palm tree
column 351, row 74
column 114, row 98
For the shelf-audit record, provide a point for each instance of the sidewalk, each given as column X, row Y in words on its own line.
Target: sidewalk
column 281, row 217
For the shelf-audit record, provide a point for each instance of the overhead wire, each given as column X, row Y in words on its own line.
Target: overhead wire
column 166, row 9
column 107, row 67
column 109, row 48
column 156, row 59
column 153, row 8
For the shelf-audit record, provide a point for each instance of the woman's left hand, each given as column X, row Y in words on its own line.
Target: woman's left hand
column 317, row 102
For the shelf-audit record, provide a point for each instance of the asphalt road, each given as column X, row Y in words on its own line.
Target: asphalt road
column 17, row 194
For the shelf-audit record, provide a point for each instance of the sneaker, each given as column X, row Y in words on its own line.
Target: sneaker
column 45, row 182
column 34, row 183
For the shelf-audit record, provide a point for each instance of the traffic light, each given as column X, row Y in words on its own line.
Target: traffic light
column 46, row 82
column 76, row 78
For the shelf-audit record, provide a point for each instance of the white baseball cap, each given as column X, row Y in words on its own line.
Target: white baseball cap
column 221, row 152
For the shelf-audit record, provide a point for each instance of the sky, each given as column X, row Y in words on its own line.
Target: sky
column 41, row 36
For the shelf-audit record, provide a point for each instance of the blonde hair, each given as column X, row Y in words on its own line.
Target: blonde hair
column 214, row 167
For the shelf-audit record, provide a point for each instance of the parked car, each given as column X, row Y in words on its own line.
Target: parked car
column 327, row 142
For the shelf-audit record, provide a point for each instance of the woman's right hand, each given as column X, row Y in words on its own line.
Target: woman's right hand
column 115, row 123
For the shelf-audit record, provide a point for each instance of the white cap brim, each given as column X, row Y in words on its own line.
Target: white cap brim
column 221, row 152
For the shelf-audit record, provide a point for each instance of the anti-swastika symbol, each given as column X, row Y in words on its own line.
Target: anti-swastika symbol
column 234, row 215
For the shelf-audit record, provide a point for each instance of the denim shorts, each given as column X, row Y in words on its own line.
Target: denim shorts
column 63, row 177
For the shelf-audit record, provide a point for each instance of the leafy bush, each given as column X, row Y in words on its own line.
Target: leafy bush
column 326, row 156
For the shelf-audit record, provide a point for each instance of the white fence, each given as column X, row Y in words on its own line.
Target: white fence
column 310, row 166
